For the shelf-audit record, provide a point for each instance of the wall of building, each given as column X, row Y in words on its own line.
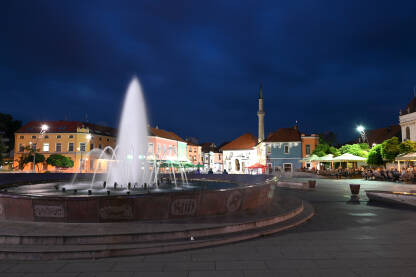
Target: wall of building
column 82, row 162
column 277, row 159
column 193, row 153
column 408, row 120
column 245, row 158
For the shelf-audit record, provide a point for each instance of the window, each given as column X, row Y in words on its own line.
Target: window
column 58, row 136
column 46, row 136
column 71, row 147
column 269, row 149
column 408, row 133
column 46, row 147
column 100, row 146
column 150, row 149
column 287, row 167
column 34, row 146
column 91, row 146
column 58, row 147
column 108, row 139
column 286, row 149
column 71, row 136
column 22, row 137
column 190, row 150
column 164, row 148
column 21, row 148
column 33, row 137
column 82, row 147
column 308, row 149
column 158, row 148
column 100, row 139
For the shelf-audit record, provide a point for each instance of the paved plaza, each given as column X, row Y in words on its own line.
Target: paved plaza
column 342, row 239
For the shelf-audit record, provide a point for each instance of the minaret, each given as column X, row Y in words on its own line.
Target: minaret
column 260, row 115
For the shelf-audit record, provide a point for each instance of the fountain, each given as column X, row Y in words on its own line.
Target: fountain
column 132, row 192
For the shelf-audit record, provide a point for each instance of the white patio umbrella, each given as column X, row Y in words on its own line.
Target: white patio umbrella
column 347, row 157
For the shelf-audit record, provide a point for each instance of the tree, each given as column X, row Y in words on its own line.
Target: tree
column 9, row 126
column 323, row 148
column 374, row 156
column 329, row 137
column 390, row 149
column 354, row 149
column 28, row 158
column 2, row 150
column 407, row 146
column 60, row 161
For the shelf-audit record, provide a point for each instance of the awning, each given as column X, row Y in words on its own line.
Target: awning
column 407, row 157
column 256, row 165
column 347, row 157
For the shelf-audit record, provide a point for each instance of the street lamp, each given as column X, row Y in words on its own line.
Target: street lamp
column 43, row 130
column 361, row 130
column 88, row 137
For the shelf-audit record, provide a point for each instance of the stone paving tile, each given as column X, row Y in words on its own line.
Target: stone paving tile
column 236, row 273
column 386, row 272
column 106, row 274
column 101, row 266
column 240, row 265
column 6, row 266
column 271, row 273
column 188, row 266
column 328, row 272
column 54, row 274
column 352, row 254
column 291, row 264
column 36, row 267
column 162, row 274
column 168, row 257
column 137, row 266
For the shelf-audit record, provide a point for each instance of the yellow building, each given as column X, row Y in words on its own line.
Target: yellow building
column 72, row 139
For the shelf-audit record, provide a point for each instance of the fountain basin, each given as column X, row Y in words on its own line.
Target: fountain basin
column 133, row 207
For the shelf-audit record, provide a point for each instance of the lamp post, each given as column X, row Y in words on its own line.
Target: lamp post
column 362, row 132
column 88, row 137
column 43, row 130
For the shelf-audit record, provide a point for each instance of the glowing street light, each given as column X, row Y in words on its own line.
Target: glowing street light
column 81, row 162
column 43, row 130
column 361, row 130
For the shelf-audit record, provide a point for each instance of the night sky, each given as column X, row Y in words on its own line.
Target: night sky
column 330, row 65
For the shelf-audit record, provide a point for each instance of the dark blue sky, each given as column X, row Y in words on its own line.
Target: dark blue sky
column 328, row 64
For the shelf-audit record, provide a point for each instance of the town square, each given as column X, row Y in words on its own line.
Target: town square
column 191, row 138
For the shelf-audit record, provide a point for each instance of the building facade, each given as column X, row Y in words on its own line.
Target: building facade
column 240, row 154
column 193, row 153
column 212, row 157
column 408, row 121
column 309, row 143
column 165, row 145
column 281, row 150
column 72, row 139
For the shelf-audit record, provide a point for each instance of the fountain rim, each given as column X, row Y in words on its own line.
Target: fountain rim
column 149, row 193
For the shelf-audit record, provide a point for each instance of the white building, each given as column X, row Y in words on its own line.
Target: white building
column 408, row 121
column 239, row 154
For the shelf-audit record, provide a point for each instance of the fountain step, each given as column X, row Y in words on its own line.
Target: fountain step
column 51, row 252
column 35, row 233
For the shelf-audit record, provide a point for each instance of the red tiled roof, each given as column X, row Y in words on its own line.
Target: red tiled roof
column 284, row 135
column 208, row 147
column 66, row 127
column 164, row 134
column 377, row 136
column 246, row 141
